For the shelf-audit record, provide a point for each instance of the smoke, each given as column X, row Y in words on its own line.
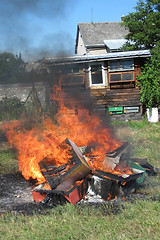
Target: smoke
column 25, row 27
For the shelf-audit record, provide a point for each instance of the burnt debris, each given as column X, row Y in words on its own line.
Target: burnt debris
column 76, row 180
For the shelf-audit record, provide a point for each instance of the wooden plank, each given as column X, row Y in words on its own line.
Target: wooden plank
column 105, row 98
column 124, row 104
column 122, row 94
column 114, row 92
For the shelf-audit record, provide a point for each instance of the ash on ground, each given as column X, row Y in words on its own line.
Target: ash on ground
column 15, row 193
column 16, row 196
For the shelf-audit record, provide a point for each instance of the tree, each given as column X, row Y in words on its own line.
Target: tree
column 144, row 31
column 149, row 80
column 143, row 25
column 10, row 67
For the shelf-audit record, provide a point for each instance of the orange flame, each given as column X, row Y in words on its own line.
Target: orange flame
column 47, row 139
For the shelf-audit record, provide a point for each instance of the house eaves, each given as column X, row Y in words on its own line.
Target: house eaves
column 96, row 58
column 95, row 46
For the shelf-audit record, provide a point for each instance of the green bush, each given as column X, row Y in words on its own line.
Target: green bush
column 149, row 80
column 11, row 108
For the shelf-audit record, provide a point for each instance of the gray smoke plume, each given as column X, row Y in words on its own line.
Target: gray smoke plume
column 24, row 29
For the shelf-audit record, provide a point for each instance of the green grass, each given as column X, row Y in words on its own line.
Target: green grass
column 139, row 219
column 8, row 162
column 144, row 138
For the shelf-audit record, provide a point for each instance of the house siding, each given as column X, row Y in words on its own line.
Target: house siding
column 81, row 49
column 96, row 51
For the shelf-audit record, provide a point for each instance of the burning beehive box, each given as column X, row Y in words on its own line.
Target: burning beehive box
column 73, row 180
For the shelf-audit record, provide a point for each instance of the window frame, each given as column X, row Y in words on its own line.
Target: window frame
column 120, row 61
column 103, row 84
column 121, row 73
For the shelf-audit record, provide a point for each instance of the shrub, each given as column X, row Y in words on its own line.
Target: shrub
column 11, row 108
column 149, row 80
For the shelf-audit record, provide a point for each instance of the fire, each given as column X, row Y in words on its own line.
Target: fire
column 46, row 139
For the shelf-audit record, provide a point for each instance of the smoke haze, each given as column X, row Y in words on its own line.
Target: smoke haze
column 25, row 27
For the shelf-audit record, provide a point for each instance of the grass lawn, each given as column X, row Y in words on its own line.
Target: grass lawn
column 139, row 219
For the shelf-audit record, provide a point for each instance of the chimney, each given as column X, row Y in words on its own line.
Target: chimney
column 122, row 17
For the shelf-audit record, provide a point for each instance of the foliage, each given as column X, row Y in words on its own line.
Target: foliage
column 10, row 67
column 149, row 80
column 143, row 25
column 11, row 108
column 144, row 31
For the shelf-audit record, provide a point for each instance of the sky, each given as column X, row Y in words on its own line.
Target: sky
column 47, row 28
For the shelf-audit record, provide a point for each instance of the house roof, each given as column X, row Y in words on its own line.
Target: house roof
column 97, row 57
column 95, row 33
column 114, row 44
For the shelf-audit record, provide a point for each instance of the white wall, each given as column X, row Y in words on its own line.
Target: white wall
column 81, row 50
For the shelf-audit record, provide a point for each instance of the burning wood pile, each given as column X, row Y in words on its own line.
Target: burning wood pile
column 73, row 181
column 74, row 155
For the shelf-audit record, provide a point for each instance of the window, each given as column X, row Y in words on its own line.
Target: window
column 118, row 65
column 127, row 64
column 115, row 65
column 72, row 79
column 123, row 76
column 121, row 72
column 127, row 76
column 96, row 75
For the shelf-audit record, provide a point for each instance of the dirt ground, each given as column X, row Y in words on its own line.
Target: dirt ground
column 15, row 191
column 15, row 194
